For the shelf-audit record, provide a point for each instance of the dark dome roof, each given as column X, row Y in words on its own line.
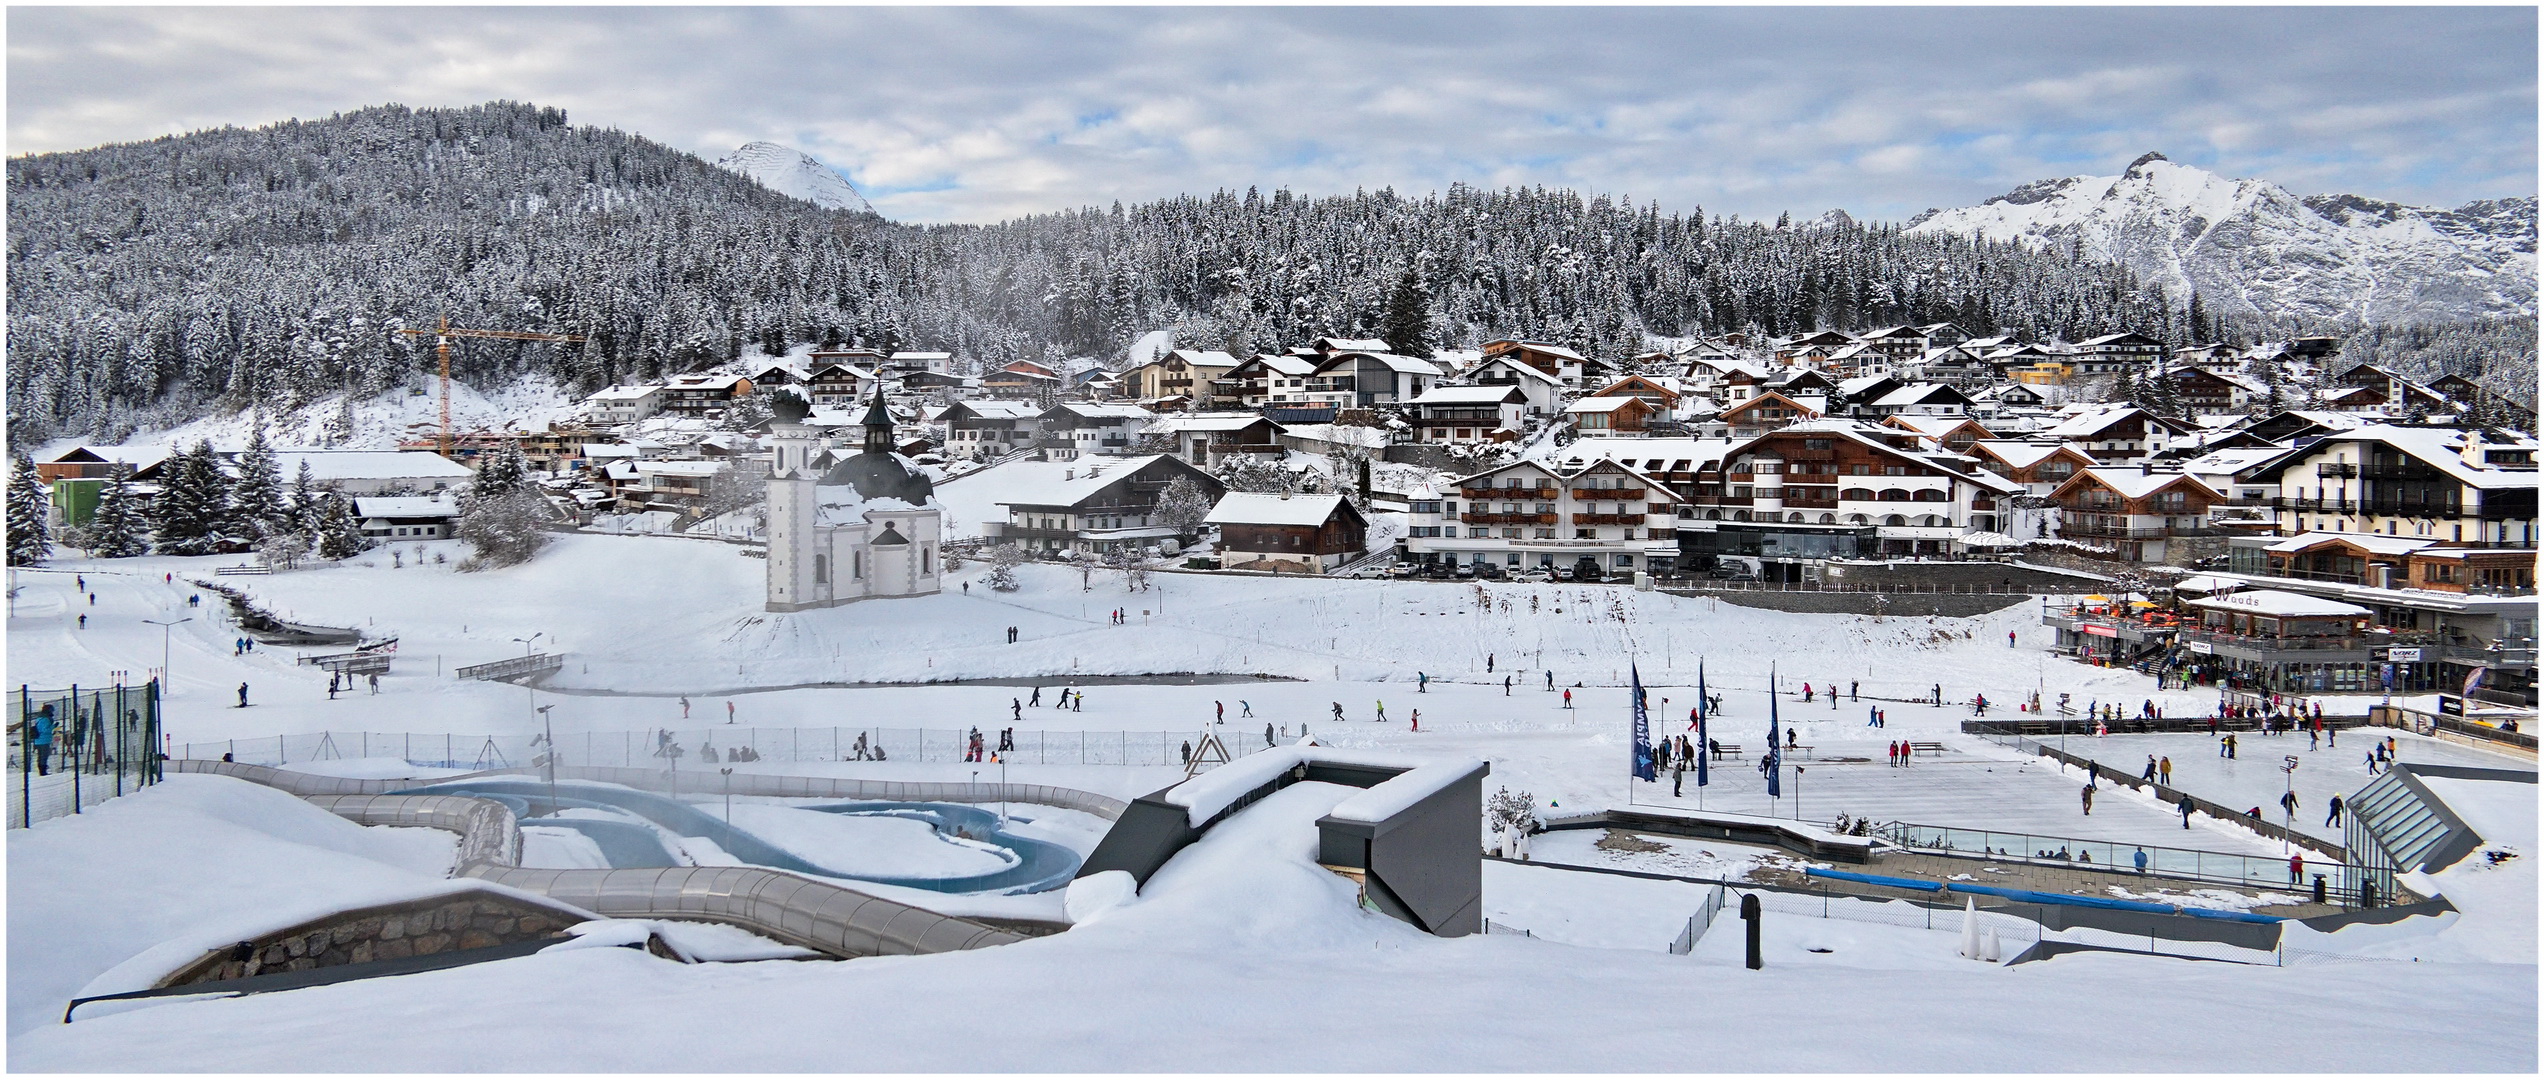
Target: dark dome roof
column 881, row 476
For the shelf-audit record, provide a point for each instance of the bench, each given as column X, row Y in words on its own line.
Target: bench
column 1934, row 748
column 1726, row 750
column 1806, row 748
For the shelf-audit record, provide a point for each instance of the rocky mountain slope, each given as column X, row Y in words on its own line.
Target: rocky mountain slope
column 788, row 171
column 2251, row 247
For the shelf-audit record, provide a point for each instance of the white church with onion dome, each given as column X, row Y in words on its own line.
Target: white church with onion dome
column 869, row 527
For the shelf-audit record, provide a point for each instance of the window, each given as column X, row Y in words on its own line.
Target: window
column 1625, row 560
column 1510, row 534
column 821, row 569
column 1545, row 534
column 1815, row 444
column 857, row 565
column 1479, row 532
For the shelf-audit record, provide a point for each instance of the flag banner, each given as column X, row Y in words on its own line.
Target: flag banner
column 1773, row 762
column 1643, row 768
column 1704, row 748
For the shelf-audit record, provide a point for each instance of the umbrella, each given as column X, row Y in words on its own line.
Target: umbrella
column 2097, row 599
column 2141, row 603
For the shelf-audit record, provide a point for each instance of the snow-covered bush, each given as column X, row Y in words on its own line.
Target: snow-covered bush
column 1508, row 811
column 505, row 529
column 1003, row 560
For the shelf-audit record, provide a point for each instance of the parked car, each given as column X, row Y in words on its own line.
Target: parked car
column 1534, row 577
column 1563, row 573
column 1488, row 570
column 1465, row 571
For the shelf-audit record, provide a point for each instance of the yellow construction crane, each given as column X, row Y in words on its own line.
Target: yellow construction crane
column 442, row 336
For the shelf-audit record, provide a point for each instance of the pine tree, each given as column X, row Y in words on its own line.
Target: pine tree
column 501, row 473
column 1183, row 506
column 508, row 526
column 256, row 497
column 1407, row 323
column 193, row 503
column 340, row 533
column 302, row 516
column 30, row 533
column 118, row 531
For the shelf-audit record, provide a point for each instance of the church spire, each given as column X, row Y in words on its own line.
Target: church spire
column 878, row 424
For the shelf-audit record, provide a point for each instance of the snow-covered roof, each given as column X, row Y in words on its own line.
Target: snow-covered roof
column 1600, row 404
column 2133, row 484
column 1406, row 365
column 1647, row 455
column 327, row 465
column 404, row 506
column 1204, row 357
column 1861, row 383
column 1549, row 349
column 1917, row 393
column 1092, row 410
column 1508, row 362
column 1367, row 345
column 1257, row 508
column 2230, row 462
column 1175, row 422
column 1285, row 364
column 2371, row 542
column 2278, row 604
column 679, row 468
column 1038, row 483
column 923, row 356
column 999, row 410
column 624, row 393
column 2086, row 425
column 1465, row 395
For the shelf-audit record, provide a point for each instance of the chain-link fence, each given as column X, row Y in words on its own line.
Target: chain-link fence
column 729, row 743
column 74, row 748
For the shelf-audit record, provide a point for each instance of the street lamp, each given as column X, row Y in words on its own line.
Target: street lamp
column 728, row 807
column 166, row 630
column 548, row 735
column 1797, row 793
column 525, row 644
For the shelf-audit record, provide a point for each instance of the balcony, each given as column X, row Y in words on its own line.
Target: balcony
column 2336, row 469
column 1607, row 519
column 1482, row 494
column 1507, row 519
column 1607, row 494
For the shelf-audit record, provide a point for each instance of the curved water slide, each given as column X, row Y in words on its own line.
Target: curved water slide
column 818, row 915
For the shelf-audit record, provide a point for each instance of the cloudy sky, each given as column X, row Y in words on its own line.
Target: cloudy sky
column 970, row 114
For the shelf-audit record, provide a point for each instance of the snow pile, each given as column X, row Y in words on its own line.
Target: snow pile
column 186, row 866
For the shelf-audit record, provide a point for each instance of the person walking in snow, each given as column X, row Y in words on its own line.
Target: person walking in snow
column 2149, row 777
column 2141, row 859
column 1567, row 698
column 1421, row 683
column 2288, row 802
column 242, row 695
column 1245, row 711
column 1806, row 691
column 1015, row 710
column 42, row 741
column 2164, row 770
column 1506, row 681
column 728, row 710
column 1267, row 736
column 1550, row 680
column 1851, row 687
column 2185, row 807
column 1338, row 712
column 684, row 706
column 2334, row 818
column 1382, row 712
column 1036, row 699
column 2296, row 868
column 2088, row 797
column 1222, row 708
column 83, row 621
column 1488, row 663
column 1938, row 693
column 1417, row 719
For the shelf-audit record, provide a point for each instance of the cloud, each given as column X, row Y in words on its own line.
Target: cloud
column 974, row 114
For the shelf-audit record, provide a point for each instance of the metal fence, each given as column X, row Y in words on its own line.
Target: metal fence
column 718, row 744
column 72, row 749
column 2212, row 867
column 1700, row 922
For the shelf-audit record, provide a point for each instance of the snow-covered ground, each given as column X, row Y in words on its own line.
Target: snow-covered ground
column 1235, row 956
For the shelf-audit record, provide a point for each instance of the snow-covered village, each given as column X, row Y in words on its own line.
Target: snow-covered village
column 490, row 592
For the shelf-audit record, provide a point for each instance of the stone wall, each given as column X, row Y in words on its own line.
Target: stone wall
column 472, row 919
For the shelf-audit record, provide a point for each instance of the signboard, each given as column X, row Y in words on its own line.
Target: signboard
column 2203, row 648
column 2098, row 631
column 2401, row 655
column 2450, row 705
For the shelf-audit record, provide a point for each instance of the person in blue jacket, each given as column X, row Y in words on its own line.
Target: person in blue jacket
column 42, row 741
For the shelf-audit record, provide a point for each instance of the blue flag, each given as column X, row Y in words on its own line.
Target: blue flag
column 1773, row 763
column 1643, row 769
column 1702, row 746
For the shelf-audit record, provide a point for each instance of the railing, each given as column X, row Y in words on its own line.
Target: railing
column 1507, row 519
column 517, row 667
column 647, row 749
column 1607, row 519
column 2336, row 644
column 1607, row 494
column 2336, row 469
column 1700, row 922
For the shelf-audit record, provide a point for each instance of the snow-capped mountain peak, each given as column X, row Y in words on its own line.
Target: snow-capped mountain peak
column 788, row 171
column 2254, row 247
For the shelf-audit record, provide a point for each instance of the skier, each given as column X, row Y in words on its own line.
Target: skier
column 2288, row 802
column 684, row 706
column 1015, row 710
column 1245, row 710
column 728, row 711
column 2009, row 639
column 1488, row 663
column 1222, row 708
column 1417, row 719
column 1338, row 712
column 332, row 681
column 1506, row 686
column 83, row 622
column 1421, row 683
column 1806, row 691
column 1550, row 679
column 1851, row 687
column 1567, row 699
column 81, row 581
column 1036, row 699
column 242, row 695
column 1382, row 712
column 1872, row 716
column 1938, row 693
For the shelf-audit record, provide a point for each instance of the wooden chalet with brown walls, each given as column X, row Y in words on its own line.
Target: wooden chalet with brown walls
column 1849, row 473
column 2039, row 467
column 1288, row 534
column 1957, row 433
column 1763, row 413
column 1610, row 415
column 1651, row 390
column 2136, row 512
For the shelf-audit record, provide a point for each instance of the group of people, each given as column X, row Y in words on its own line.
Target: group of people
column 707, row 753
column 1070, row 699
column 1900, row 752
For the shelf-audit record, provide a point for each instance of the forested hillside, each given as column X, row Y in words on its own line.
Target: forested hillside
column 150, row 282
